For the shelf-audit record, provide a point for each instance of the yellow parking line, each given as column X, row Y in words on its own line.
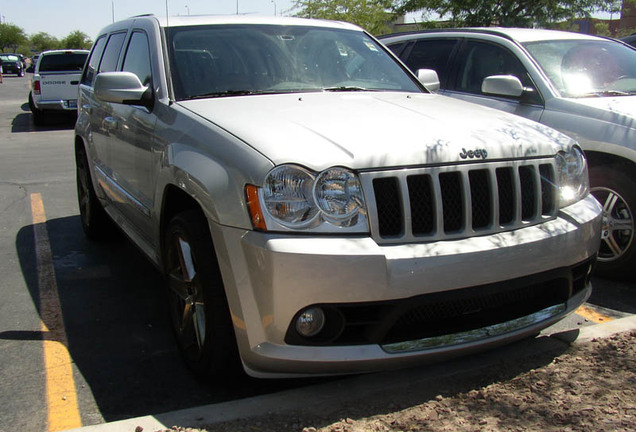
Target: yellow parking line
column 592, row 315
column 61, row 397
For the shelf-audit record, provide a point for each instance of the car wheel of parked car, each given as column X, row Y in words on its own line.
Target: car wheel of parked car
column 95, row 222
column 196, row 298
column 617, row 194
column 38, row 117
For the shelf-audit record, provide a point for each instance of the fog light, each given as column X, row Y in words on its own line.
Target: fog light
column 310, row 322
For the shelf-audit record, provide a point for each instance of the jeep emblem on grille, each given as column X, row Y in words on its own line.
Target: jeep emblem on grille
column 477, row 153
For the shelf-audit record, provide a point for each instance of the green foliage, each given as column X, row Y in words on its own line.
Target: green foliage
column 372, row 15
column 11, row 36
column 44, row 42
column 76, row 40
column 506, row 13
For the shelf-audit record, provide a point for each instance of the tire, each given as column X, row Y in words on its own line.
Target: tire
column 616, row 192
column 38, row 117
column 95, row 222
column 198, row 306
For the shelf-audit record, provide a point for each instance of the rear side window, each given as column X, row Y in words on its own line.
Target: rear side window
column 63, row 62
column 93, row 61
column 137, row 58
column 432, row 54
column 111, row 53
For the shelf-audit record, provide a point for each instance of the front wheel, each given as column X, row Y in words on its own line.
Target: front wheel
column 616, row 192
column 196, row 297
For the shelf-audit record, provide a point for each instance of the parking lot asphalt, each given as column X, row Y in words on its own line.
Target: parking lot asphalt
column 329, row 396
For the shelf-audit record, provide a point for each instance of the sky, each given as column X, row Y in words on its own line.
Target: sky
column 61, row 17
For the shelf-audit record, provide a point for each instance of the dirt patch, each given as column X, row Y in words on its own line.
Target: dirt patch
column 590, row 387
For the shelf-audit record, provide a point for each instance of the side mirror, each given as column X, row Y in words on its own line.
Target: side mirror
column 429, row 78
column 122, row 88
column 502, row 85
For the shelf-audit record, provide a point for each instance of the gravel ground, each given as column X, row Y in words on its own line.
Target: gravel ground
column 589, row 387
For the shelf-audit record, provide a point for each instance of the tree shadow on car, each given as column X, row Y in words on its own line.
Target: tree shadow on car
column 119, row 335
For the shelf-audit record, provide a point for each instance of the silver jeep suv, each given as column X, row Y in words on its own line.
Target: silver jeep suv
column 314, row 208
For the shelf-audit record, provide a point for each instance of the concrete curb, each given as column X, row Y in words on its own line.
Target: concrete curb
column 331, row 396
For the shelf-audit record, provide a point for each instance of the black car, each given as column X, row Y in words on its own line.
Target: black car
column 11, row 64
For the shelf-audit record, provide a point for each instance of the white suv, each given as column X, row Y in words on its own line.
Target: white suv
column 315, row 210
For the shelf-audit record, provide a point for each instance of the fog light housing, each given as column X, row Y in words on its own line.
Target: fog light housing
column 310, row 322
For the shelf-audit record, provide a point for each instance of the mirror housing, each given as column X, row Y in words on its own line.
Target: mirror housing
column 429, row 78
column 502, row 85
column 122, row 88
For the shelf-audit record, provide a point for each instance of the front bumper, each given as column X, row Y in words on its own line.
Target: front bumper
column 269, row 278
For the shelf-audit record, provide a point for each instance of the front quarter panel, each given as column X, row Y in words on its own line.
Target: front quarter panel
column 209, row 164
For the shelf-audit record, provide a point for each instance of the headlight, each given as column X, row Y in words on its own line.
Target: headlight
column 572, row 176
column 287, row 193
column 338, row 194
column 294, row 198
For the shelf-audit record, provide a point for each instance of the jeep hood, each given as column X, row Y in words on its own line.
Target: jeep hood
column 374, row 129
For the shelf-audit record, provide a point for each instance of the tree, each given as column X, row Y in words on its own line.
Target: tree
column 506, row 13
column 11, row 36
column 372, row 15
column 76, row 40
column 44, row 41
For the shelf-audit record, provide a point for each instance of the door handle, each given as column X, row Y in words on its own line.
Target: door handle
column 110, row 123
column 87, row 108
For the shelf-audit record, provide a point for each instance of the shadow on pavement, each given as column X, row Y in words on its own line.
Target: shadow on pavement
column 118, row 334
column 23, row 122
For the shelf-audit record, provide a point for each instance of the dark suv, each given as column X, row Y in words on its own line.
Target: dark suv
column 11, row 64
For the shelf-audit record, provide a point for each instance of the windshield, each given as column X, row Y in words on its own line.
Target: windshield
column 232, row 60
column 587, row 68
column 9, row 58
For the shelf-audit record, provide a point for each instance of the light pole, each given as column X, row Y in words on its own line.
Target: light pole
column 113, row 9
column 237, row 7
column 274, row 7
column 188, row 9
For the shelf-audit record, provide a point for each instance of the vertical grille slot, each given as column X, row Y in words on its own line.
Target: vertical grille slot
column 480, row 198
column 548, row 189
column 527, row 177
column 506, row 190
column 387, row 198
column 452, row 201
column 421, row 197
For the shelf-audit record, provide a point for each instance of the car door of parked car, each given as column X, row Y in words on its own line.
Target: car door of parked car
column 477, row 60
column 131, row 138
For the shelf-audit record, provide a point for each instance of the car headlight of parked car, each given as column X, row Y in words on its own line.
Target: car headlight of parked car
column 295, row 198
column 572, row 176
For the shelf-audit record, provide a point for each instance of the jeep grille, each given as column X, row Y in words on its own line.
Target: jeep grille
column 453, row 202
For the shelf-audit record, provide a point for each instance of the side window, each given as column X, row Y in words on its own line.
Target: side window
column 432, row 54
column 111, row 53
column 93, row 61
column 137, row 59
column 482, row 60
column 397, row 47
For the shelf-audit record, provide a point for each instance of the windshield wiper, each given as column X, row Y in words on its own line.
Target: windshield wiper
column 345, row 88
column 223, row 94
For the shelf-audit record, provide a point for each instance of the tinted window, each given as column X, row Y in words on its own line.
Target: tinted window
column 137, row 58
column 482, row 60
column 397, row 48
column 111, row 53
column 93, row 61
column 432, row 54
column 63, row 62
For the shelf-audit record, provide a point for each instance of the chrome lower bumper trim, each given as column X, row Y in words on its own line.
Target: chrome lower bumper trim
column 474, row 335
